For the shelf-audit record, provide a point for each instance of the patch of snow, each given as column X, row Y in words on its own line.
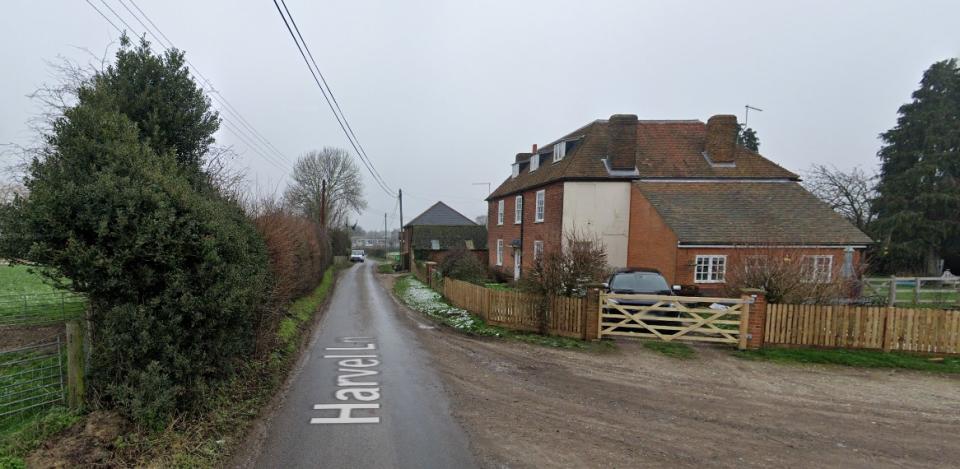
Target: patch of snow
column 422, row 298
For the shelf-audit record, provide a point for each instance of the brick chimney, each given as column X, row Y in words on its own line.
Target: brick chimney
column 622, row 149
column 722, row 138
column 533, row 150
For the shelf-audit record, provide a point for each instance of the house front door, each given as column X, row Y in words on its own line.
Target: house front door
column 516, row 264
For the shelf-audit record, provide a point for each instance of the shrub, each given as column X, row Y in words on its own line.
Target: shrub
column 340, row 241
column 582, row 260
column 175, row 273
column 784, row 277
column 464, row 265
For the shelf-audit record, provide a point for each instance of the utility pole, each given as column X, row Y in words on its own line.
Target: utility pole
column 323, row 204
column 385, row 234
column 403, row 258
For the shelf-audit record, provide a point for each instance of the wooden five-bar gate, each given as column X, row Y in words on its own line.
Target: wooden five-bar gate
column 669, row 318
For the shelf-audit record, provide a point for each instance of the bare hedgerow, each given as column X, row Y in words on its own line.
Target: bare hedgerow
column 789, row 275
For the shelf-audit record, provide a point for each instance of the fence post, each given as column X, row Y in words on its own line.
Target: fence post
column 744, row 321
column 591, row 315
column 887, row 341
column 916, row 290
column 892, row 291
column 756, row 318
column 76, row 388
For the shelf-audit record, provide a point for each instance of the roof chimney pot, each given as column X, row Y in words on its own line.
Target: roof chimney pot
column 622, row 149
column 722, row 133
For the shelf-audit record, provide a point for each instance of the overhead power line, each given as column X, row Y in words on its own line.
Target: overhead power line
column 212, row 90
column 244, row 131
column 328, row 97
column 329, row 90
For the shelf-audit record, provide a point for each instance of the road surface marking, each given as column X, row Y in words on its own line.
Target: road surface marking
column 349, row 368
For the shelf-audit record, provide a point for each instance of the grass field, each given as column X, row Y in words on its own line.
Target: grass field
column 27, row 298
column 932, row 294
column 23, row 280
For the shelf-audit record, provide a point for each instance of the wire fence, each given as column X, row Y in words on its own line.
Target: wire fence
column 31, row 378
column 40, row 309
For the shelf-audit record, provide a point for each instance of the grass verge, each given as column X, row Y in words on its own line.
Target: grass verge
column 19, row 438
column 385, row 267
column 855, row 358
column 420, row 297
column 670, row 349
column 216, row 430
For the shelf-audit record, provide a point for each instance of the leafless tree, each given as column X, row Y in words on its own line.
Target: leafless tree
column 849, row 193
column 8, row 190
column 566, row 270
column 344, row 186
column 223, row 173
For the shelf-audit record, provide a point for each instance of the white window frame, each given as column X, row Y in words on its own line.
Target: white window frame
column 500, row 212
column 559, row 151
column 541, row 207
column 821, row 272
column 710, row 268
column 518, row 210
column 515, row 170
column 500, row 252
column 534, row 162
column 537, row 250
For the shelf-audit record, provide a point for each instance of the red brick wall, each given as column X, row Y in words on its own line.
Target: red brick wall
column 686, row 261
column 549, row 231
column 651, row 243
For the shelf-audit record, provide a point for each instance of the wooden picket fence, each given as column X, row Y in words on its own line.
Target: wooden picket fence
column 884, row 328
column 567, row 317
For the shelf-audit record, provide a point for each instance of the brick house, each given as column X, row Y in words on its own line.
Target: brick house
column 440, row 229
column 680, row 196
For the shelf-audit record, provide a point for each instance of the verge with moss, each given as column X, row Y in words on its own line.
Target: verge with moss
column 855, row 358
column 670, row 349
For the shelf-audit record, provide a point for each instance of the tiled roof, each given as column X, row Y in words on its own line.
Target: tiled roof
column 665, row 149
column 449, row 237
column 440, row 214
column 754, row 213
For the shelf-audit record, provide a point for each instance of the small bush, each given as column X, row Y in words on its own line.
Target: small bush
column 464, row 265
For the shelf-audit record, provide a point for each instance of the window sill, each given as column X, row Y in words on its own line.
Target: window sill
column 538, row 221
column 710, row 281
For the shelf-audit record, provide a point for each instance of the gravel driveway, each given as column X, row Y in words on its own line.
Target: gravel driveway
column 530, row 406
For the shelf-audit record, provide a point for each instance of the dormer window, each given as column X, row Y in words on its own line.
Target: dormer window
column 534, row 162
column 516, row 169
column 559, row 151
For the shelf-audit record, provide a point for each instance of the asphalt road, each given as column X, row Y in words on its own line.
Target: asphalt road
column 365, row 395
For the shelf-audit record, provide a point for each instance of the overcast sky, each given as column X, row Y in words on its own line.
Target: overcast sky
column 444, row 94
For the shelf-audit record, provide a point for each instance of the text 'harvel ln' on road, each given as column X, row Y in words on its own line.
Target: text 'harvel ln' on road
column 357, row 364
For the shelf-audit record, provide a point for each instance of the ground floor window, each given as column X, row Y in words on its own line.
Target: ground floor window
column 816, row 269
column 537, row 250
column 499, row 252
column 755, row 263
column 710, row 269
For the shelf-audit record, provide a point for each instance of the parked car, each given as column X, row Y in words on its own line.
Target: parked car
column 640, row 281
column 357, row 255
